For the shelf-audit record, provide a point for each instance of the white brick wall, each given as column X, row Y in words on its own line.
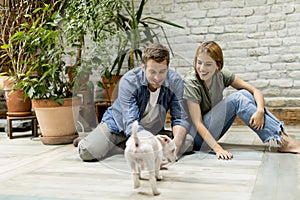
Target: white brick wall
column 260, row 39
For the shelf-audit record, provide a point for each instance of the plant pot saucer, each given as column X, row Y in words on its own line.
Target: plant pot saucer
column 64, row 139
column 18, row 114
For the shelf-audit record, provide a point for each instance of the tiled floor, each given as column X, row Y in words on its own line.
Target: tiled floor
column 33, row 171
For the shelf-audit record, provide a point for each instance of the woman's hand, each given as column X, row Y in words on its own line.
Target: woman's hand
column 223, row 154
column 257, row 120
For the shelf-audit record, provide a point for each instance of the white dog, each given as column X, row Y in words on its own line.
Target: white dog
column 146, row 151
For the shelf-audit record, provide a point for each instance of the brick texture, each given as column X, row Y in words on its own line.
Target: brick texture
column 260, row 40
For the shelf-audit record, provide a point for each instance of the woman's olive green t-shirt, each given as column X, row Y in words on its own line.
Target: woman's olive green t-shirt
column 196, row 90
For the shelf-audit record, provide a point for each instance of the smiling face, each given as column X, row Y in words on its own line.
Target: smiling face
column 205, row 66
column 208, row 59
column 155, row 73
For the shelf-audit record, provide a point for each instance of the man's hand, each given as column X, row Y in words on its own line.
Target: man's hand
column 179, row 135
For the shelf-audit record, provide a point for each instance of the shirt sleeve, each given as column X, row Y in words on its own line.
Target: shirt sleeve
column 128, row 103
column 177, row 110
column 191, row 90
column 228, row 77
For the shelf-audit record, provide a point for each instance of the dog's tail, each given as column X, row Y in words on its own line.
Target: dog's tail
column 135, row 126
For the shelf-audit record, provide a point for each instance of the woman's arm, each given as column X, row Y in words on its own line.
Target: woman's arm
column 196, row 116
column 257, row 119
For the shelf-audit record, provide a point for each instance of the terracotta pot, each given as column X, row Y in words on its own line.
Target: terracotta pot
column 110, row 87
column 57, row 122
column 16, row 105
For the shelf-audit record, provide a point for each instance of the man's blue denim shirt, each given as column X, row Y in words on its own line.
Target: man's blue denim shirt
column 133, row 96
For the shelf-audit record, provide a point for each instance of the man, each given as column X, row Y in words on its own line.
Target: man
column 145, row 94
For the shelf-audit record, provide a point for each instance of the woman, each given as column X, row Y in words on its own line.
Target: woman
column 212, row 115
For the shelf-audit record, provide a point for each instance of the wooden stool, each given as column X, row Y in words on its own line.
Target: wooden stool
column 33, row 124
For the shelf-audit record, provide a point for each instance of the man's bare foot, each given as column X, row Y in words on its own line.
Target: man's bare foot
column 289, row 145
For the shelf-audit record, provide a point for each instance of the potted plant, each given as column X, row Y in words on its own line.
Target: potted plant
column 84, row 20
column 88, row 18
column 51, row 91
column 134, row 32
column 15, row 55
column 92, row 19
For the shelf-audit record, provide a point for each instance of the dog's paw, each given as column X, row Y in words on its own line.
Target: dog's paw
column 136, row 181
column 159, row 177
column 163, row 168
column 136, row 185
column 156, row 193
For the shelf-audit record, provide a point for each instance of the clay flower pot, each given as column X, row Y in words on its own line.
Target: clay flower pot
column 57, row 122
column 16, row 105
column 110, row 87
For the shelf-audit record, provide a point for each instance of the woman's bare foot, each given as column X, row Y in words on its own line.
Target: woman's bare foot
column 289, row 145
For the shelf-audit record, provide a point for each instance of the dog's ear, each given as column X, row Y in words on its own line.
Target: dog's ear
column 164, row 138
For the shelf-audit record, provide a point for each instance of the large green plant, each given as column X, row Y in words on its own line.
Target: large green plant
column 139, row 30
column 93, row 19
column 16, row 55
column 135, row 31
column 45, row 39
column 82, row 18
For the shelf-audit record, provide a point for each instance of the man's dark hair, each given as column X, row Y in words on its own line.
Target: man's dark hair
column 156, row 52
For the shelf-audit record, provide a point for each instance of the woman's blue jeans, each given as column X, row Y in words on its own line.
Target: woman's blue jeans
column 242, row 104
